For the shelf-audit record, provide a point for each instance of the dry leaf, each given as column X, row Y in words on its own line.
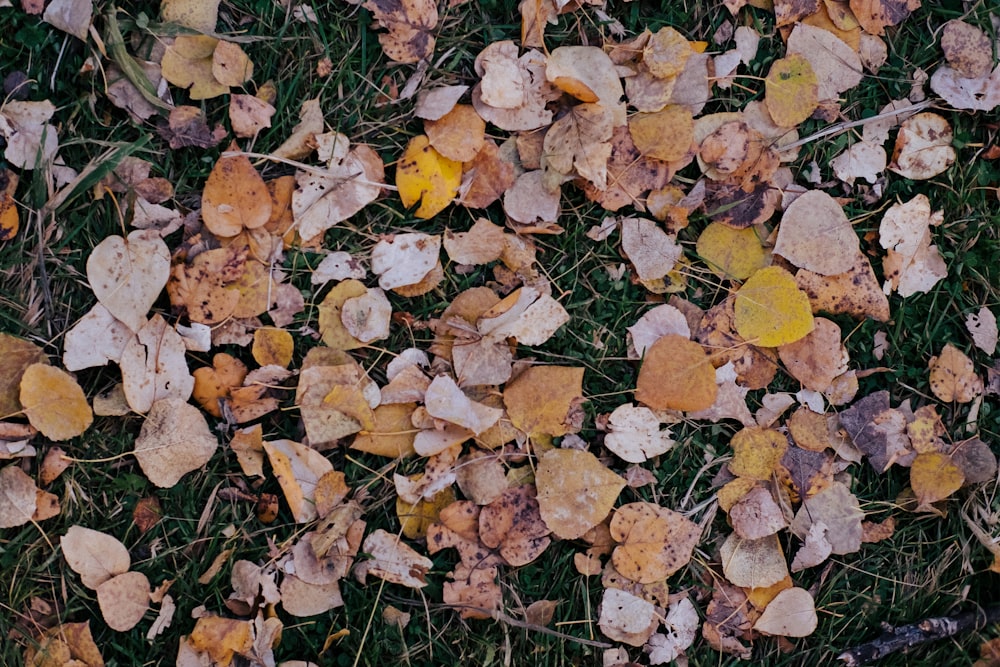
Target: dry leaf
column 31, row 141
column 676, row 374
column 876, row 15
column 864, row 159
column 837, row 66
column 458, row 135
column 839, row 511
column 634, row 434
column 791, row 93
column 367, row 317
column 394, row 561
column 982, row 327
column 912, row 264
column 575, row 492
column 18, row 497
column 230, row 64
column 54, row 402
column 546, row 400
column 979, row 94
column 816, row 235
column 818, row 358
column 731, row 253
column 953, row 376
column 444, row 400
column 627, row 618
column 792, row 613
column 95, row 556
column 405, row 259
column 127, row 275
column 409, row 28
column 579, row 144
column 235, row 197
column 753, row 563
column 588, row 74
column 653, row 542
column 298, row 470
column 174, row 440
column 856, row 291
column 99, row 337
column 934, row 477
column 154, row 366
column 123, row 600
column 923, row 147
column 757, row 453
column 652, row 252
column 512, row 525
column 424, row 175
column 200, row 15
column 326, row 198
column 187, row 63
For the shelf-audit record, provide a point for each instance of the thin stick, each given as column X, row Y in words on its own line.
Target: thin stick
column 906, row 637
column 843, row 127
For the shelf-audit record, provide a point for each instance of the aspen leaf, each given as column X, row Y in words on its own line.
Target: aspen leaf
column 864, row 159
column 818, row 358
column 545, row 400
column 791, row 93
column 298, row 469
column 652, row 251
column 212, row 384
column 200, row 15
column 979, row 94
column 934, row 477
column 424, row 175
column 394, row 561
column 405, row 259
column 792, row 613
column 188, row 63
column 393, row 434
column 18, row 497
column 444, row 400
column 839, row 510
column 627, row 618
column 757, row 453
column 300, row 598
column 953, row 376
column 756, row 515
column 366, row 317
column 10, row 221
column 731, row 253
column 575, row 491
column 230, row 64
column 154, row 366
column 323, row 199
column 99, row 337
column 458, row 135
column 676, row 374
column 408, row 24
column 837, row 66
column 912, row 264
column 415, row 518
column 77, row 641
column 816, row 235
column 634, row 434
column 923, row 147
column 17, row 354
column 666, row 53
column 95, row 556
column 982, row 327
column 666, row 135
column 770, row 309
column 856, row 292
column 753, row 563
column 272, row 346
column 579, row 143
column 235, row 197
column 127, row 275
column 876, row 15
column 653, row 542
column 512, row 525
column 967, row 49
column 174, row 440
column 588, row 74
column 124, row 600
column 222, row 638
column 331, row 324
column 54, row 402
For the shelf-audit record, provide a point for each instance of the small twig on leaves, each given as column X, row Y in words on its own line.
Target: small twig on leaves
column 906, row 637
column 837, row 128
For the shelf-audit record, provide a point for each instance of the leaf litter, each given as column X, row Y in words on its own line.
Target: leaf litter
column 480, row 393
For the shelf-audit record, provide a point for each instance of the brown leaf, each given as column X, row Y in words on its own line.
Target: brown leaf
column 875, row 15
column 654, row 542
column 174, row 440
column 545, row 400
column 953, row 376
column 513, row 525
column 18, row 355
column 676, row 374
column 235, row 197
column 409, row 25
column 186, row 126
column 18, row 497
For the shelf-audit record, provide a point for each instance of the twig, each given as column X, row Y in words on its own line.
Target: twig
column 906, row 637
column 843, row 127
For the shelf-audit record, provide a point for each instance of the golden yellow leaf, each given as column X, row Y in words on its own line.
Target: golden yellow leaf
column 235, row 197
column 187, row 63
column 934, row 476
column 735, row 254
column 54, row 402
column 298, row 469
column 667, row 134
column 653, row 541
column 666, row 53
column 222, row 638
column 791, row 91
column 424, row 175
column 953, row 376
column 393, row 433
column 331, row 326
column 757, row 452
column 770, row 309
column 9, row 218
column 414, row 519
column 676, row 374
column 575, row 491
column 200, row 15
column 211, row 384
column 272, row 346
column 546, row 400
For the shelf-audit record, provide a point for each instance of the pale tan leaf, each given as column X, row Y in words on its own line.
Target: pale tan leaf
column 95, row 556
column 174, row 440
column 124, row 600
column 127, row 275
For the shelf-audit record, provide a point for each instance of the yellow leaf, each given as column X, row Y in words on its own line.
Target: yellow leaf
column 424, row 175
column 934, row 476
column 272, row 346
column 331, row 327
column 735, row 254
column 757, row 452
column 666, row 53
column 676, row 374
column 771, row 310
column 222, row 638
column 414, row 519
column 213, row 383
column 545, row 400
column 393, row 433
column 298, row 469
column 54, row 402
column 791, row 92
column 200, row 15
column 235, row 197
column 575, row 491
column 9, row 219
column 187, row 63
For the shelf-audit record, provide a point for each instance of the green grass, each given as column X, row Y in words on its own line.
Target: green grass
column 931, row 566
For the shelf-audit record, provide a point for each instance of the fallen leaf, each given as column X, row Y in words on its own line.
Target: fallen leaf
column 424, row 175
column 301, row 599
column 174, row 440
column 272, row 346
column 575, row 491
column 731, row 253
column 682, row 628
column 818, row 358
column 18, row 497
column 124, row 600
column 923, row 147
column 405, row 259
column 99, row 337
column 627, row 618
column 512, row 525
column 667, row 134
column 856, row 291
column 864, row 159
column 366, row 317
column 837, row 66
column 978, row 94
column 529, row 200
column 839, row 511
column 816, row 235
column 634, row 434
column 70, row 16
column 546, row 400
column 458, row 135
column 953, row 376
column 394, row 561
column 230, row 64
column 770, row 309
column 676, row 374
column 188, row 64
column 127, row 275
column 791, row 91
column 815, row 548
column 198, row 15
column 221, row 638
column 326, row 198
column 235, row 197
column 792, row 613
column 95, row 556
column 408, row 24
column 31, row 140
column 876, row 15
column 934, row 477
column 588, row 74
column 444, row 400
column 54, row 402
column 653, row 542
column 756, row 515
column 912, row 264
column 331, row 324
column 154, row 366
column 298, row 469
column 753, row 563
column 652, row 251
column 982, row 327
column 579, row 144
